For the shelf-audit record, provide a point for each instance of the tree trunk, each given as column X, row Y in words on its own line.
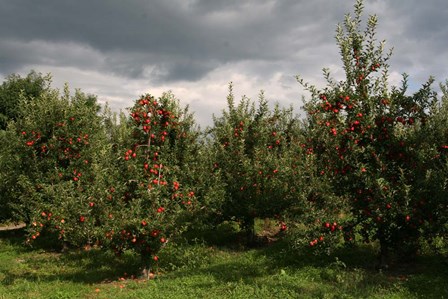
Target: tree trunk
column 384, row 259
column 146, row 267
column 249, row 229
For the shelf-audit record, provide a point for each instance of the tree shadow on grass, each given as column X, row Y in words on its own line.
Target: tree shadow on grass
column 94, row 266
column 15, row 237
column 349, row 268
column 347, row 271
column 424, row 276
column 427, row 276
column 281, row 254
column 77, row 265
column 98, row 265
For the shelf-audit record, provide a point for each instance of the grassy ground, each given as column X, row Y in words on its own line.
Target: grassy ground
column 206, row 271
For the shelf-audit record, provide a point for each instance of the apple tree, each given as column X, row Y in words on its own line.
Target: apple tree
column 368, row 141
column 433, row 183
column 52, row 145
column 257, row 158
column 152, row 193
column 12, row 91
column 9, row 159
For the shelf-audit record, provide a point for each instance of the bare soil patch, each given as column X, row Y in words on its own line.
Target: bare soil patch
column 11, row 226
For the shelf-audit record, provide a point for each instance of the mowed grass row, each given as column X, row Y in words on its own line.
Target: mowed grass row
column 202, row 270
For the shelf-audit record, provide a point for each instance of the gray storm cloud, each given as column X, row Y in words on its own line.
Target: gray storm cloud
column 201, row 45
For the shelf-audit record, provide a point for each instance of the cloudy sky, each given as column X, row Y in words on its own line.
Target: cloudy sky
column 121, row 49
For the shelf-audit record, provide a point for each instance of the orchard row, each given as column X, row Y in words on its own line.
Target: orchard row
column 366, row 163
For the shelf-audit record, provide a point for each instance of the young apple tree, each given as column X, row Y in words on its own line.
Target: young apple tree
column 366, row 136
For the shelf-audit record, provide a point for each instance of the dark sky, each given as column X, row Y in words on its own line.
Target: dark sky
column 120, row 49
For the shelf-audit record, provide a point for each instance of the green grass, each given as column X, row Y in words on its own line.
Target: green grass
column 206, row 271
